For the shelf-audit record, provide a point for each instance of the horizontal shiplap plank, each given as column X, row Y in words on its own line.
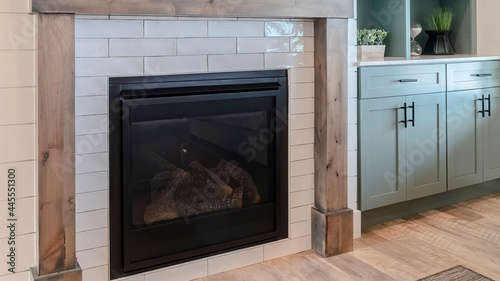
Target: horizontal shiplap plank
column 17, row 106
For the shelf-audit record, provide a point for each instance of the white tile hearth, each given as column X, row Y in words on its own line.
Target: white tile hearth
column 184, row 272
column 236, row 259
column 171, row 45
column 287, row 247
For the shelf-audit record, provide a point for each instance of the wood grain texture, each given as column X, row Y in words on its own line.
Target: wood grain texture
column 56, row 143
column 215, row 8
column 330, row 115
column 332, row 220
column 332, row 233
column 405, row 249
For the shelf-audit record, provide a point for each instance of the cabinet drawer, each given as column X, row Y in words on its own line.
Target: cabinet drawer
column 397, row 80
column 473, row 75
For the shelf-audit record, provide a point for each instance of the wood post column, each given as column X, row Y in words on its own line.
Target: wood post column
column 56, row 148
column 332, row 220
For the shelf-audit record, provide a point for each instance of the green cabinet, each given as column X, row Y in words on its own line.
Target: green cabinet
column 402, row 148
column 473, row 136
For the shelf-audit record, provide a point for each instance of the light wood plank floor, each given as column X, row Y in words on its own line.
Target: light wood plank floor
column 465, row 234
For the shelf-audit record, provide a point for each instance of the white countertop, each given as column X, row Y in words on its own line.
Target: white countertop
column 427, row 59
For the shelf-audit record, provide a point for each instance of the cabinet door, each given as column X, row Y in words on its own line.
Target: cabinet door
column 382, row 179
column 491, row 132
column 426, row 145
column 465, row 138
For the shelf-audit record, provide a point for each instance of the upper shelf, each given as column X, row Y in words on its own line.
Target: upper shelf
column 396, row 16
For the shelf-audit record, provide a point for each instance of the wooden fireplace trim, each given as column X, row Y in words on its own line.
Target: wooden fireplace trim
column 331, row 218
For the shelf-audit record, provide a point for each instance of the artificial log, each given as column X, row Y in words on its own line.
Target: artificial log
column 184, row 193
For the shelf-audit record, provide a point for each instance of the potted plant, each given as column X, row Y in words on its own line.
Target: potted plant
column 371, row 44
column 439, row 42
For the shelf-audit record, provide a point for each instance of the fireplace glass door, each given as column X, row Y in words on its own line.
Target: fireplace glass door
column 202, row 166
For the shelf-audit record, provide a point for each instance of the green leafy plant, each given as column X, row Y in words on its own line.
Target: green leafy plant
column 440, row 19
column 371, row 36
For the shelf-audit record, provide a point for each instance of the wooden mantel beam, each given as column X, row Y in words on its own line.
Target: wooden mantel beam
column 214, row 8
column 56, row 148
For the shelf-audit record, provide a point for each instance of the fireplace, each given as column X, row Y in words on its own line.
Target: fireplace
column 198, row 166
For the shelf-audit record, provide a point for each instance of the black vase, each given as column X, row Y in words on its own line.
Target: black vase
column 439, row 43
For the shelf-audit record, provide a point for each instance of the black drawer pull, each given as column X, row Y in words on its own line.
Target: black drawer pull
column 482, row 111
column 489, row 104
column 482, row 75
column 408, row 80
column 406, row 116
column 412, row 120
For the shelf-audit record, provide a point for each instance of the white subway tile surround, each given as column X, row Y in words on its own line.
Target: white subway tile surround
column 157, row 46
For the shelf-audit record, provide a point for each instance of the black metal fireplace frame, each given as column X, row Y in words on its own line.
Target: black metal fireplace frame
column 201, row 84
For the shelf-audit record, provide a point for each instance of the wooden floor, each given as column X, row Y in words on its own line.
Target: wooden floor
column 465, row 234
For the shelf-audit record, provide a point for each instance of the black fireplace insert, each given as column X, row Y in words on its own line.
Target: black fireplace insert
column 198, row 166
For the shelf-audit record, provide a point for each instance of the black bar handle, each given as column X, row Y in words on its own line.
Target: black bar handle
column 482, row 75
column 489, row 105
column 406, row 119
column 408, row 80
column 482, row 106
column 412, row 120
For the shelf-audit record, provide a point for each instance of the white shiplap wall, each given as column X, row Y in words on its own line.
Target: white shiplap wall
column 18, row 131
